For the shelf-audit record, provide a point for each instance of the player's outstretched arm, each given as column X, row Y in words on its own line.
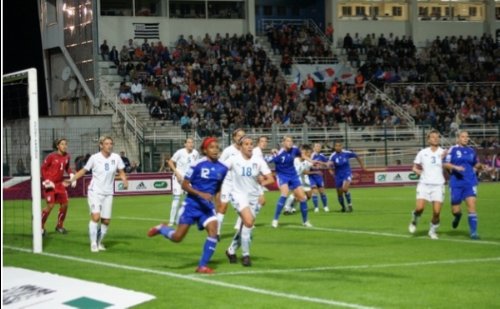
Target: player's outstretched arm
column 75, row 177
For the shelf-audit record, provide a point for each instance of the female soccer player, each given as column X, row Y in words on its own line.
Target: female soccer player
column 339, row 160
column 202, row 181
column 54, row 191
column 248, row 173
column 104, row 166
column 428, row 165
column 288, row 179
column 461, row 161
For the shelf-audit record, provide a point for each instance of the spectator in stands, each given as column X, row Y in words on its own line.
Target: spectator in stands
column 348, row 43
column 329, row 32
column 135, row 167
column 136, row 89
column 131, row 48
column 164, row 167
column 126, row 161
column 125, row 95
column 185, row 121
column 156, row 112
column 104, row 51
column 114, row 56
column 20, row 168
column 124, row 55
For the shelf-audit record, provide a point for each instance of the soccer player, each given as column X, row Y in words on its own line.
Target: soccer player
column 248, row 173
column 201, row 182
column 461, row 161
column 179, row 164
column 258, row 152
column 288, row 179
column 339, row 160
column 316, row 179
column 54, row 191
column 303, row 169
column 428, row 164
column 104, row 166
column 224, row 196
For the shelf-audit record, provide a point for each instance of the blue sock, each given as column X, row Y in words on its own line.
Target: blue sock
column 341, row 201
column 473, row 223
column 348, row 197
column 315, row 200
column 279, row 207
column 167, row 231
column 303, row 210
column 208, row 251
column 324, row 199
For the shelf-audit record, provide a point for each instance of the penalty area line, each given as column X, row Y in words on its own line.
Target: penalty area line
column 199, row 279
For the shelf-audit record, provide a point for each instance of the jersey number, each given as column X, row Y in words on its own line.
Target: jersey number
column 205, row 172
column 246, row 171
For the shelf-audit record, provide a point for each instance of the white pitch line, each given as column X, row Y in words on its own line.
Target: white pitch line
column 366, row 266
column 200, row 279
column 469, row 241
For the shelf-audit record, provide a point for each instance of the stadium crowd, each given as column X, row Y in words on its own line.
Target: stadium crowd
column 227, row 80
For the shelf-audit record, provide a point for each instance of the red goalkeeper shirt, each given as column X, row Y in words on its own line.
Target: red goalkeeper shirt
column 54, row 166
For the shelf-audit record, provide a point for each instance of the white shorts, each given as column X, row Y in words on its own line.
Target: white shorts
column 100, row 203
column 306, row 184
column 225, row 191
column 240, row 201
column 431, row 193
column 176, row 186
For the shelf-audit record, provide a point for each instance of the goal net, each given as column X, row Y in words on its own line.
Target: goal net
column 21, row 196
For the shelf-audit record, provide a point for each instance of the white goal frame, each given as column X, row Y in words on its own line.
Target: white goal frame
column 34, row 151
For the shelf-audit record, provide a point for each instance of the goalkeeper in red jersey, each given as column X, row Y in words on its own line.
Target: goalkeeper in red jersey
column 53, row 168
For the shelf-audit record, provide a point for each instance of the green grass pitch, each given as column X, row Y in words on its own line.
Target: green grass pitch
column 364, row 259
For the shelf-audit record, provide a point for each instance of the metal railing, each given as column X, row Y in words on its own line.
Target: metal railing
column 315, row 60
column 398, row 110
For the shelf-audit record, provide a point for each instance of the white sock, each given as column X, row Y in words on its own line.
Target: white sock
column 220, row 219
column 246, row 239
column 434, row 227
column 93, row 227
column 235, row 243
column 237, row 225
column 173, row 210
column 288, row 203
column 104, row 230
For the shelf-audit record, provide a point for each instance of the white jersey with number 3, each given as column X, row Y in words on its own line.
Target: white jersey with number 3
column 432, row 166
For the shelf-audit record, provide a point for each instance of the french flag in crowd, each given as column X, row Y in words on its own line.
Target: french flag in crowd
column 296, row 82
column 321, row 75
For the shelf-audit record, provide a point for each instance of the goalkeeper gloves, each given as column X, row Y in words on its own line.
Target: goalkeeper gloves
column 73, row 183
column 47, row 184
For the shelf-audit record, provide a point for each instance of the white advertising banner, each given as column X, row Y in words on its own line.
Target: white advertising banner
column 395, row 177
column 141, row 186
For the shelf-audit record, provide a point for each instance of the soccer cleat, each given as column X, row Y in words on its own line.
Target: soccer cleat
column 412, row 228
column 474, row 236
column 101, row 247
column 287, row 212
column 326, row 209
column 293, row 210
column 307, row 224
column 94, row 247
column 155, row 230
column 232, row 257
column 245, row 261
column 316, row 209
column 274, row 223
column 342, row 209
column 218, row 237
column 44, row 232
column 433, row 235
column 204, row 270
column 61, row 230
column 456, row 221
column 349, row 208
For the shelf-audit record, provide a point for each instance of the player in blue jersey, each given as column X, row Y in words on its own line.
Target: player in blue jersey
column 339, row 160
column 461, row 161
column 288, row 179
column 316, row 179
column 202, row 181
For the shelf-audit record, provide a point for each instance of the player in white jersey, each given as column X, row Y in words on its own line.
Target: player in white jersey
column 428, row 164
column 227, row 186
column 303, row 168
column 104, row 166
column 248, row 174
column 257, row 152
column 179, row 164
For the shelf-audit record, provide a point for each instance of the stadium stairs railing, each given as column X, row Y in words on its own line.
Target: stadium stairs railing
column 395, row 108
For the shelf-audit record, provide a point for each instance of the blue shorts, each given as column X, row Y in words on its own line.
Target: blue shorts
column 339, row 180
column 292, row 182
column 316, row 181
column 194, row 212
column 459, row 194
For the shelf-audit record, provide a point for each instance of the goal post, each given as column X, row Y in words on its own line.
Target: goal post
column 28, row 78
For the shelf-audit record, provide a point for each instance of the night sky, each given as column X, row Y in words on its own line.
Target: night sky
column 22, row 46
